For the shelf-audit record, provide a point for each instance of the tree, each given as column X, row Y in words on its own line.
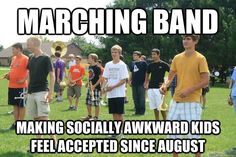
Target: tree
column 219, row 49
column 1, row 48
column 87, row 47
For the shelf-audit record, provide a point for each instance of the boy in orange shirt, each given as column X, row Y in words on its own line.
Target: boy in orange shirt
column 17, row 76
column 76, row 74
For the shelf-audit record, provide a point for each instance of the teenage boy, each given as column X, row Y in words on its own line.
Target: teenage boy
column 75, row 76
column 138, row 70
column 17, row 85
column 192, row 73
column 157, row 70
column 116, row 74
column 94, row 88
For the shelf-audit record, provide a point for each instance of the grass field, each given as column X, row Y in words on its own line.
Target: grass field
column 12, row 145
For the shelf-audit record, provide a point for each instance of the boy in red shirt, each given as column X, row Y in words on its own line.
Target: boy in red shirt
column 17, row 76
column 76, row 74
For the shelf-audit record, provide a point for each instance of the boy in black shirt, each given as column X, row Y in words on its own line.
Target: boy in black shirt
column 157, row 69
column 94, row 88
column 39, row 90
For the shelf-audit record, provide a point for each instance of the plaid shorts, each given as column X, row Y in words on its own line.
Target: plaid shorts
column 96, row 101
column 184, row 111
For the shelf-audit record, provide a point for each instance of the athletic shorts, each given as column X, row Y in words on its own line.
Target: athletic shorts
column 37, row 105
column 116, row 105
column 184, row 111
column 14, row 95
column 155, row 98
column 96, row 101
column 74, row 91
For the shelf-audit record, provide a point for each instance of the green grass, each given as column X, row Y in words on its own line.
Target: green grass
column 12, row 145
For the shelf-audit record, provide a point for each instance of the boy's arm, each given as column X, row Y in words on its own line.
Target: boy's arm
column 203, row 83
column 167, row 82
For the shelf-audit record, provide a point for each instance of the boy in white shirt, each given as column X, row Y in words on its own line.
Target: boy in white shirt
column 116, row 73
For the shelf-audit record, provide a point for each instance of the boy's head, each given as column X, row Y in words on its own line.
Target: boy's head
column 78, row 59
column 17, row 48
column 136, row 55
column 92, row 58
column 33, row 43
column 155, row 54
column 58, row 51
column 190, row 41
column 116, row 51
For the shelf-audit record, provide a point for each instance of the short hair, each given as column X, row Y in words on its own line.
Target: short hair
column 35, row 40
column 58, row 48
column 94, row 56
column 144, row 57
column 71, row 55
column 100, row 61
column 157, row 51
column 137, row 53
column 117, row 47
column 79, row 57
column 193, row 36
column 18, row 46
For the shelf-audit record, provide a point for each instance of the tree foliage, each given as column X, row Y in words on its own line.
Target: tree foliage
column 218, row 49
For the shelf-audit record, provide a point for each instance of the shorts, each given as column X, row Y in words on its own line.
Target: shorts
column 205, row 90
column 96, row 101
column 155, row 98
column 184, row 111
column 116, row 105
column 37, row 105
column 74, row 91
column 14, row 95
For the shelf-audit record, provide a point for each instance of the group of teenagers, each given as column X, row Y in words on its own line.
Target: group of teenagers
column 189, row 68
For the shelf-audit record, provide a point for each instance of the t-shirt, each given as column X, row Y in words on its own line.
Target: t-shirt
column 114, row 73
column 138, row 69
column 233, row 77
column 59, row 64
column 39, row 68
column 157, row 71
column 94, row 73
column 18, row 71
column 188, row 70
column 76, row 72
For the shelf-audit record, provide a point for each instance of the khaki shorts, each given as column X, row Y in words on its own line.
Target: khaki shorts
column 37, row 105
column 74, row 91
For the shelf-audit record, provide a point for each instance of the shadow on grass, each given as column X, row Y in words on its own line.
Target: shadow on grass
column 16, row 154
column 5, row 130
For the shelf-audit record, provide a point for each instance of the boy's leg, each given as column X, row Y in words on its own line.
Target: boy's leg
column 164, row 115
column 16, row 113
column 21, row 113
column 97, row 111
column 135, row 99
column 70, row 94
column 141, row 95
column 156, row 113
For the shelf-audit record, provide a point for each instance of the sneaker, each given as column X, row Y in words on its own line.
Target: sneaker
column 12, row 127
column 87, row 118
column 94, row 118
column 75, row 108
column 70, row 108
